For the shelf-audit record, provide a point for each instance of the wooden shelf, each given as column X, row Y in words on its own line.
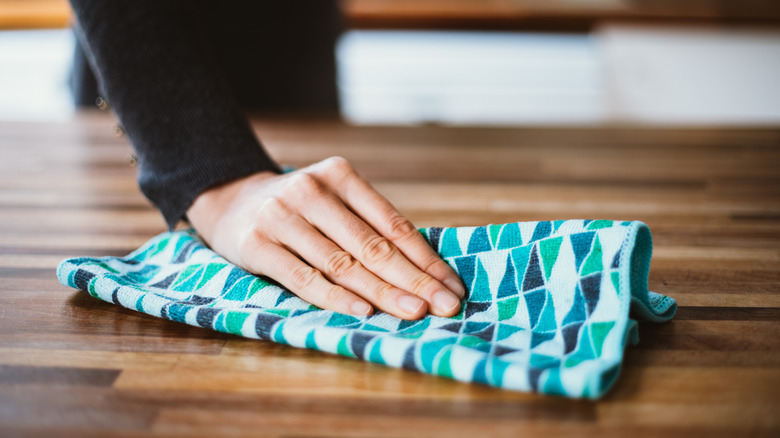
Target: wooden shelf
column 551, row 14
column 34, row 14
column 558, row 15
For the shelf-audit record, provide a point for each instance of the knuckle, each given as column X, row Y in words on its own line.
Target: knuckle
column 435, row 266
column 339, row 164
column 255, row 234
column 423, row 285
column 250, row 245
column 400, row 228
column 337, row 170
column 250, row 238
column 274, row 209
column 303, row 277
column 384, row 292
column 303, row 184
column 340, row 264
column 378, row 249
column 334, row 294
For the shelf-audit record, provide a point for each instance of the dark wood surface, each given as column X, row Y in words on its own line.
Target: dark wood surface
column 71, row 365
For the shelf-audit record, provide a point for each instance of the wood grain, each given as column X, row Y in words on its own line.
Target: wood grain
column 71, row 365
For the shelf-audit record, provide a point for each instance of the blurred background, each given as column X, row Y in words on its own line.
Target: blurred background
column 489, row 62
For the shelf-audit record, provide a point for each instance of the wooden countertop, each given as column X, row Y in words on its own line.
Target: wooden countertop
column 71, row 365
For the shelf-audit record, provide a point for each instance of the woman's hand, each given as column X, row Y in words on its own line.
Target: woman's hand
column 325, row 234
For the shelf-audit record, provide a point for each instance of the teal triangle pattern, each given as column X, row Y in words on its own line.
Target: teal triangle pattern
column 542, row 230
column 548, row 315
column 506, row 330
column 534, row 302
column 547, row 321
column 508, row 287
column 510, row 237
column 481, row 290
column 577, row 311
column 580, row 243
column 520, row 258
column 479, row 241
column 450, row 246
column 466, row 267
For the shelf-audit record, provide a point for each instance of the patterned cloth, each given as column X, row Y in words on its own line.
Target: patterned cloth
column 547, row 308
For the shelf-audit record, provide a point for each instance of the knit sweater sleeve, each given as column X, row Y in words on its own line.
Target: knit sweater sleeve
column 162, row 80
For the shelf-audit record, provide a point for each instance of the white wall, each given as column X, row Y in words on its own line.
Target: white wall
column 33, row 74
column 652, row 75
column 649, row 75
column 474, row 77
column 692, row 75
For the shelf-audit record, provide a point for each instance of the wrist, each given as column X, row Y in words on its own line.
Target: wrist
column 208, row 208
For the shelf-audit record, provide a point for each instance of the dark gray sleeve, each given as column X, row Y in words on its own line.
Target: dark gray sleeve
column 162, row 79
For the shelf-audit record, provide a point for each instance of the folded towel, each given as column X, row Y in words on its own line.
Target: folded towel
column 547, row 308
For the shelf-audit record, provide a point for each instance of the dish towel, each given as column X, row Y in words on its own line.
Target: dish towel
column 547, row 308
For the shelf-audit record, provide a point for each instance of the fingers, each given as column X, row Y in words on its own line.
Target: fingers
column 306, row 282
column 342, row 269
column 320, row 207
column 330, row 238
column 358, row 195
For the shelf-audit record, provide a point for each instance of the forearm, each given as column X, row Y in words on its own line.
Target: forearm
column 173, row 101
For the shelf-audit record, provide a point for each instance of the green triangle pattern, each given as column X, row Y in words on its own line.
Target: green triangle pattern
column 507, row 308
column 593, row 262
column 548, row 251
column 493, row 231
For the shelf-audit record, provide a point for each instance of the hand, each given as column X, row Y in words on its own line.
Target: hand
column 325, row 234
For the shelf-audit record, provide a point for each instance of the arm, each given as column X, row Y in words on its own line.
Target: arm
column 323, row 232
column 171, row 97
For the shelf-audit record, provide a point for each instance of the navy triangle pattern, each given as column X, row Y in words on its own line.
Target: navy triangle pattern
column 475, row 327
column 570, row 334
column 615, row 261
column 434, row 234
column 454, row 327
column 591, row 290
column 165, row 282
column 475, row 307
column 533, row 274
column 486, row 334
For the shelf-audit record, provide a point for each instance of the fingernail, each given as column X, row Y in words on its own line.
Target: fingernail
column 360, row 308
column 455, row 286
column 410, row 304
column 445, row 302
